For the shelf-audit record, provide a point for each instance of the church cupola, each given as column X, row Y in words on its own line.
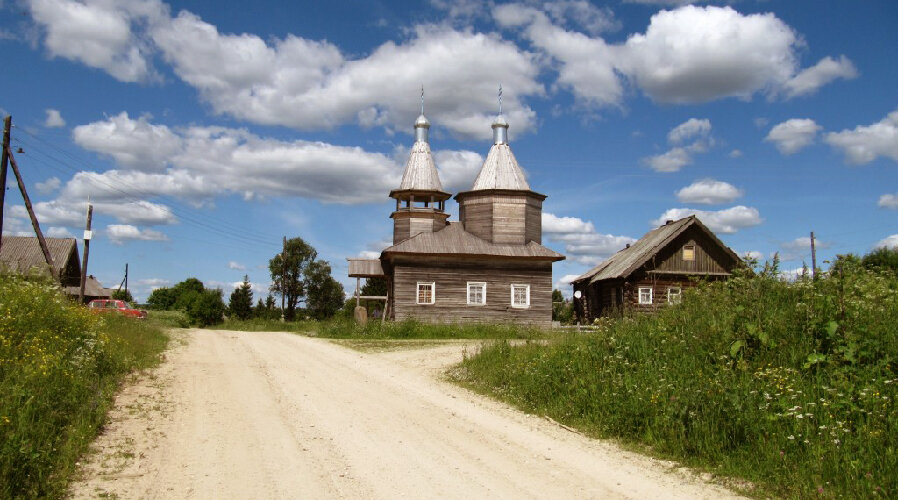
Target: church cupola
column 500, row 207
column 420, row 199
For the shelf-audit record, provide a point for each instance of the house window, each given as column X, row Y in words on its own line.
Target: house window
column 426, row 293
column 689, row 252
column 476, row 293
column 645, row 295
column 520, row 295
column 674, row 295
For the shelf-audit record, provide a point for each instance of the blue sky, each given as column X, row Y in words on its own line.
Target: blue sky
column 205, row 131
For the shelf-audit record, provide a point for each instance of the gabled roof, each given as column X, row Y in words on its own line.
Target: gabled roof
column 454, row 240
column 92, row 288
column 501, row 171
column 22, row 253
column 420, row 172
column 628, row 260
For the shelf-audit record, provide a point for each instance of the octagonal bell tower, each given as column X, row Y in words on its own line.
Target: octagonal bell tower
column 420, row 199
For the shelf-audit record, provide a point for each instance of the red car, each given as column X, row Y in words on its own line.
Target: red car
column 120, row 306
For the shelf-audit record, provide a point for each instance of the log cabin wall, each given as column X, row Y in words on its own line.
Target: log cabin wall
column 407, row 224
column 708, row 256
column 451, row 277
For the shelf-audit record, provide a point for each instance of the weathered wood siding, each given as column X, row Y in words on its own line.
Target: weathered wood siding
column 409, row 224
column 503, row 217
column 534, row 222
column 451, row 278
column 709, row 259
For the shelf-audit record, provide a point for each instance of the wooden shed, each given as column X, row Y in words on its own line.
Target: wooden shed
column 23, row 254
column 488, row 267
column 654, row 271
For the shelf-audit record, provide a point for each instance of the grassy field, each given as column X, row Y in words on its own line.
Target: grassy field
column 60, row 366
column 790, row 386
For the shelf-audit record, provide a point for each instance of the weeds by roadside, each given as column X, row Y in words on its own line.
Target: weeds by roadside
column 59, row 368
column 789, row 385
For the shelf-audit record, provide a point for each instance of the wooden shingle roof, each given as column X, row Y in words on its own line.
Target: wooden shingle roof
column 22, row 253
column 420, row 172
column 628, row 260
column 500, row 170
column 454, row 240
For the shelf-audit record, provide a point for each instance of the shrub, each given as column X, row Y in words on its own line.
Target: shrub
column 206, row 308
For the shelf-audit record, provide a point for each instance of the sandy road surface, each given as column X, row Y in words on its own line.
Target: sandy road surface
column 274, row 415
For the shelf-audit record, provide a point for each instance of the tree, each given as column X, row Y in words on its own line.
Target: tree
column 122, row 295
column 562, row 310
column 240, row 305
column 324, row 293
column 186, row 292
column 882, row 258
column 287, row 269
column 161, row 299
column 207, row 307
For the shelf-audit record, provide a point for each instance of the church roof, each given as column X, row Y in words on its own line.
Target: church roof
column 420, row 171
column 454, row 240
column 500, row 170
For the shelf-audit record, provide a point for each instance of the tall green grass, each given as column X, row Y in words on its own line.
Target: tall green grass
column 412, row 329
column 791, row 386
column 60, row 365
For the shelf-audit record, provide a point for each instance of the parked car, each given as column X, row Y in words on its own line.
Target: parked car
column 119, row 306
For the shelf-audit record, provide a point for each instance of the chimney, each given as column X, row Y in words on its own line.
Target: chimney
column 668, row 221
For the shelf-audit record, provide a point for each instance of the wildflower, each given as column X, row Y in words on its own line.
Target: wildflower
column 792, row 438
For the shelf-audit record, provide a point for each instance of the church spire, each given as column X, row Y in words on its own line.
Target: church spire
column 422, row 124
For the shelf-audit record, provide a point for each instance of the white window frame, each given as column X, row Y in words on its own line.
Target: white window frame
column 651, row 295
column 677, row 292
column 474, row 285
column 692, row 247
column 526, row 294
column 433, row 292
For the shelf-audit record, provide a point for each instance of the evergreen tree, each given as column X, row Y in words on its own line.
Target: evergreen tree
column 240, row 305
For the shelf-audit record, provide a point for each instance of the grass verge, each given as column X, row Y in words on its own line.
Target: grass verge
column 791, row 386
column 60, row 367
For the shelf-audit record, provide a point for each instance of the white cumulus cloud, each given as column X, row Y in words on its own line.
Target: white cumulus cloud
column 236, row 266
column 709, row 192
column 582, row 242
column 793, row 135
column 54, row 119
column 825, row 71
column 888, row 242
column 699, row 131
column 729, row 220
column 121, row 233
column 867, row 142
column 888, row 201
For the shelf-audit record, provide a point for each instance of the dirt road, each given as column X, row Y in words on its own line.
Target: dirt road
column 275, row 415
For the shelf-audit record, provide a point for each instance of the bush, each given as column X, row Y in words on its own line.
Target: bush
column 207, row 308
column 59, row 368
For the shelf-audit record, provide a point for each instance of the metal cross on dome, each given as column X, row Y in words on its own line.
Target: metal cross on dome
column 422, row 99
column 500, row 98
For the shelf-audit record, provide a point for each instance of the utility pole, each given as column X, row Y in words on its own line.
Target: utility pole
column 87, row 236
column 813, row 258
column 4, row 161
column 37, row 227
column 283, row 276
column 126, row 277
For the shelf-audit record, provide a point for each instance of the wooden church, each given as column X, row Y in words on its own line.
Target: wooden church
column 489, row 266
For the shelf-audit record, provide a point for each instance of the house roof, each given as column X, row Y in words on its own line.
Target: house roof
column 92, row 288
column 365, row 268
column 22, row 253
column 454, row 240
column 628, row 260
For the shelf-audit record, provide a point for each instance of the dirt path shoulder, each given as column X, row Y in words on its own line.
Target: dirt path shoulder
column 275, row 415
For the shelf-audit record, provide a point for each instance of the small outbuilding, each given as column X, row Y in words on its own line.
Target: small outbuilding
column 654, row 271
column 22, row 254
